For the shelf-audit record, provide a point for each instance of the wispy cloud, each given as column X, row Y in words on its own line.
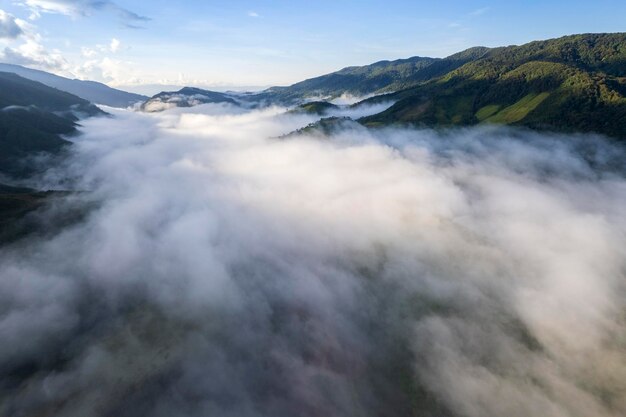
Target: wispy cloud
column 252, row 13
column 77, row 8
column 480, row 12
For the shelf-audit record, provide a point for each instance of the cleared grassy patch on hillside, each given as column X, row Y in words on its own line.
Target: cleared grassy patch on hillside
column 487, row 111
column 519, row 110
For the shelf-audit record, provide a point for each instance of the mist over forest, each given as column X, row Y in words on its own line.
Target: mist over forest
column 212, row 266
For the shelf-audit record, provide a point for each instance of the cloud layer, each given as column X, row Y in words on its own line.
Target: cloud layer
column 213, row 270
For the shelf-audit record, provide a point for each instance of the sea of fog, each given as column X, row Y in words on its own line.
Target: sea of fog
column 216, row 270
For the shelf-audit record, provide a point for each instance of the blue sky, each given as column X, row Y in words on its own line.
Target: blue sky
column 260, row 43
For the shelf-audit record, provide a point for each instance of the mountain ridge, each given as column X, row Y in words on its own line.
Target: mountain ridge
column 379, row 77
column 575, row 83
column 93, row 91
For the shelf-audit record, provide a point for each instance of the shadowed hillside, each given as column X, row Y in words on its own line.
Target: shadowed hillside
column 33, row 118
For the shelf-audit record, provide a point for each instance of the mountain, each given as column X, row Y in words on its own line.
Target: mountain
column 95, row 92
column 574, row 83
column 33, row 118
column 380, row 77
column 324, row 128
column 353, row 80
column 186, row 97
column 319, row 108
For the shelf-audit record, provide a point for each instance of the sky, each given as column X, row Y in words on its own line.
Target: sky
column 260, row 43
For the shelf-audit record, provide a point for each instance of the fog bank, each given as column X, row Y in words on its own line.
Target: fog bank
column 217, row 270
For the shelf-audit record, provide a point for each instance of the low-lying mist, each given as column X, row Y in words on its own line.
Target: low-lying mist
column 217, row 270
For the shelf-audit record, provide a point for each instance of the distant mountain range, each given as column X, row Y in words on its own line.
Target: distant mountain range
column 573, row 84
column 377, row 78
column 95, row 92
column 380, row 77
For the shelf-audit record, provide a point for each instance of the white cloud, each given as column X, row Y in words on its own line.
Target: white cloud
column 106, row 69
column 96, row 65
column 43, row 6
column 9, row 26
column 115, row 45
column 28, row 49
column 88, row 52
column 33, row 54
column 253, row 14
column 99, row 66
column 100, row 49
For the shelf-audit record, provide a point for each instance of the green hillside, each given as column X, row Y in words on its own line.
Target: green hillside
column 380, row 77
column 574, row 83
